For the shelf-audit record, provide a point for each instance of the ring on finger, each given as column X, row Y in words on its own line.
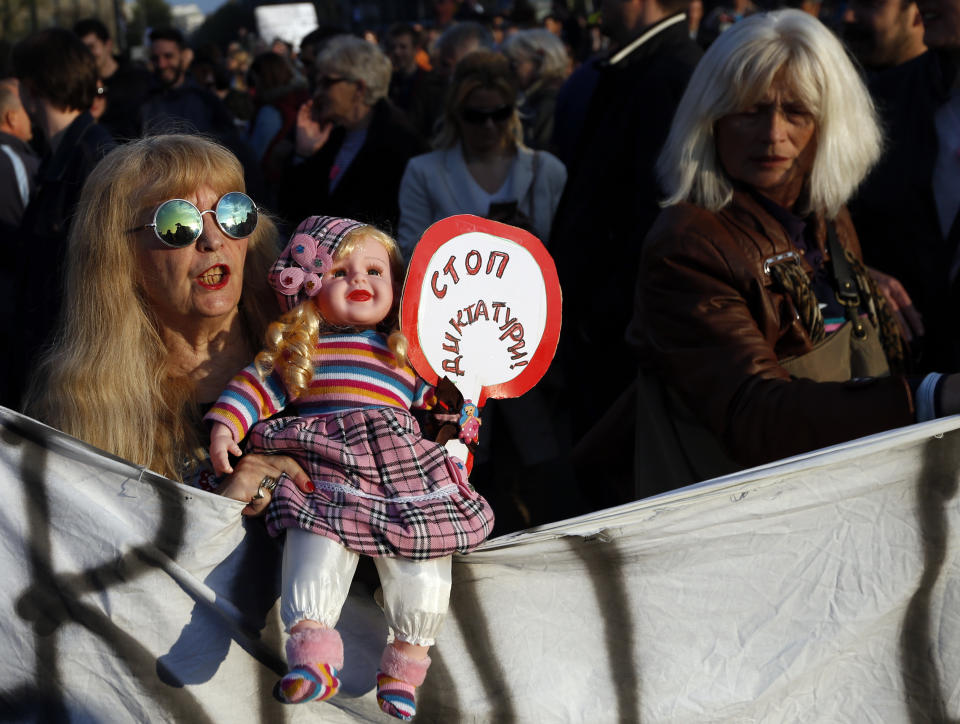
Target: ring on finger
column 268, row 483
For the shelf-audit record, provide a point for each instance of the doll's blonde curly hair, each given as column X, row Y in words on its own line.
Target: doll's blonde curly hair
column 290, row 340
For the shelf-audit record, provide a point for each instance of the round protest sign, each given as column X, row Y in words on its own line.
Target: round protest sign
column 481, row 305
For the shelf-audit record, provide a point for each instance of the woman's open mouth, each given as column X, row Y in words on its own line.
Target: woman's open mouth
column 359, row 295
column 216, row 277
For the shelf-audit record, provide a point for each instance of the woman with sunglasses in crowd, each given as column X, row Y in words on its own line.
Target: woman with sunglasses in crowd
column 481, row 165
column 166, row 298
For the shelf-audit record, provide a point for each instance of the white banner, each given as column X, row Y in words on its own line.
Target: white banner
column 821, row 589
column 287, row 21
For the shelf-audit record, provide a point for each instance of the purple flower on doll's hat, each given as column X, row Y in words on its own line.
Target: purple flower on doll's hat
column 297, row 274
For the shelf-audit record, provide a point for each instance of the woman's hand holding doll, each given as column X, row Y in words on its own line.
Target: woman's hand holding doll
column 335, row 365
column 246, row 483
column 247, row 480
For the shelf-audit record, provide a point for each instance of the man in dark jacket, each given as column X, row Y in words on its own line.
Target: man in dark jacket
column 125, row 84
column 415, row 91
column 611, row 196
column 18, row 178
column 58, row 80
column 906, row 213
column 178, row 102
column 883, row 33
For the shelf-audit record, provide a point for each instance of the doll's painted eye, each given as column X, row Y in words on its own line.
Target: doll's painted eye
column 339, row 273
column 375, row 271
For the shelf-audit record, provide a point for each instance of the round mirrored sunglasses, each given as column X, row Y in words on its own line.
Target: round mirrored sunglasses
column 178, row 223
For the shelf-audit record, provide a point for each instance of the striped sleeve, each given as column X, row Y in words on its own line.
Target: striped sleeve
column 246, row 400
column 424, row 395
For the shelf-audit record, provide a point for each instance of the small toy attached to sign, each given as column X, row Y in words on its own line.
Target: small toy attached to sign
column 481, row 306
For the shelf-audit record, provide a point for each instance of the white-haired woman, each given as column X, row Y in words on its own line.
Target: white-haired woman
column 762, row 335
column 351, row 144
column 540, row 64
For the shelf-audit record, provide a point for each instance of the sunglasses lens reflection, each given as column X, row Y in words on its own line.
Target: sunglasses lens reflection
column 178, row 222
column 237, row 215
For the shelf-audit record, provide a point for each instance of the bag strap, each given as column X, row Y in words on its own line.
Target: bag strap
column 847, row 291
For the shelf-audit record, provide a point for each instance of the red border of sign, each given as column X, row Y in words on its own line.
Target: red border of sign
column 435, row 237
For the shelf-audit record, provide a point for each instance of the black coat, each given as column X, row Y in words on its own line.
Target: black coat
column 369, row 187
column 895, row 213
column 191, row 108
column 42, row 246
column 609, row 203
column 187, row 108
column 126, row 90
column 420, row 96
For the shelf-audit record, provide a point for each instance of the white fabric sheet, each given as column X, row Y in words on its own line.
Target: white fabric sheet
column 820, row 589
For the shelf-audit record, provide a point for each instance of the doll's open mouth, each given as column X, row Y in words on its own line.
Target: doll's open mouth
column 216, row 277
column 359, row 295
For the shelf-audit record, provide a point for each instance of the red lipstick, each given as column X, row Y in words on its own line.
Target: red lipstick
column 359, row 295
column 216, row 277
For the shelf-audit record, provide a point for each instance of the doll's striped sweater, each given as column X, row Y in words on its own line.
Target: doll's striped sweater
column 350, row 371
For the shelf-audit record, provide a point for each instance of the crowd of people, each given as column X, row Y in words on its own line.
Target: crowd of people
column 753, row 219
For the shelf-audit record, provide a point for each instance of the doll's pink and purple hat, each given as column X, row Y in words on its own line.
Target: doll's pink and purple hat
column 295, row 275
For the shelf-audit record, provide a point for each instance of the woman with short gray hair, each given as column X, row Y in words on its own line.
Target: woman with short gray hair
column 359, row 61
column 540, row 64
column 351, row 143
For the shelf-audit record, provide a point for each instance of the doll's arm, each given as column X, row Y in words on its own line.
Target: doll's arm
column 222, row 443
column 246, row 400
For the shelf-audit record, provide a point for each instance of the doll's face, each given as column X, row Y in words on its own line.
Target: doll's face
column 358, row 289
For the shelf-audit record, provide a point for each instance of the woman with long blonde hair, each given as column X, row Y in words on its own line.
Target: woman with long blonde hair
column 162, row 306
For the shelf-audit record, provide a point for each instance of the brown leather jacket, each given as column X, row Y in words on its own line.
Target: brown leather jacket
column 708, row 323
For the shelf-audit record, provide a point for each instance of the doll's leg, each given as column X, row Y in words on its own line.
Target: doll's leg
column 416, row 597
column 316, row 580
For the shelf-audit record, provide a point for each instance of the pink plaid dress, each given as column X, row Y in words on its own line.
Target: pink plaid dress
column 381, row 489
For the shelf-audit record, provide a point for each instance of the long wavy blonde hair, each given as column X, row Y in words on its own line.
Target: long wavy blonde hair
column 291, row 339
column 105, row 378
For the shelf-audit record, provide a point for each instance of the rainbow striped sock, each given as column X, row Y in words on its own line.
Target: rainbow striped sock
column 396, row 697
column 306, row 682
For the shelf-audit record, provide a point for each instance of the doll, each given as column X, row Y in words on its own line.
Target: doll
column 469, row 423
column 335, row 364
